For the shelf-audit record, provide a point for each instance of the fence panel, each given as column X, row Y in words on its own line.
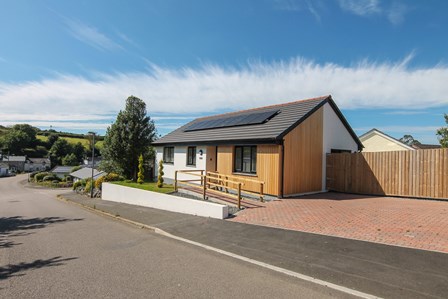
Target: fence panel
column 420, row 173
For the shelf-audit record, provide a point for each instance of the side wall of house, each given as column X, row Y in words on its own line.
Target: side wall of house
column 335, row 136
column 268, row 167
column 180, row 162
column 303, row 148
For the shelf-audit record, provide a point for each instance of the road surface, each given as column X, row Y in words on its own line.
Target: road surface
column 51, row 249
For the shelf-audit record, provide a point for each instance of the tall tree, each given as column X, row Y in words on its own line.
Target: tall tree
column 18, row 138
column 128, row 138
column 442, row 133
column 409, row 140
column 59, row 150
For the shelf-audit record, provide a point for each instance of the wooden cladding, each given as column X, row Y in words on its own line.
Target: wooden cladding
column 268, row 167
column 303, row 156
column 420, row 173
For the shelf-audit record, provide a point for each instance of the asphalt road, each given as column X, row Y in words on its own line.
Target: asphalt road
column 51, row 249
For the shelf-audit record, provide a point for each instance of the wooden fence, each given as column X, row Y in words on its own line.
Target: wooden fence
column 420, row 173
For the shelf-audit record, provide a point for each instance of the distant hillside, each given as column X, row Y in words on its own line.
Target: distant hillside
column 72, row 138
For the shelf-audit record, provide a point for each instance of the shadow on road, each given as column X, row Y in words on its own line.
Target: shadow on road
column 18, row 226
column 15, row 270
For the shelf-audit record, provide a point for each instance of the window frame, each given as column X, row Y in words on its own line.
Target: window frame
column 252, row 159
column 193, row 156
column 168, row 152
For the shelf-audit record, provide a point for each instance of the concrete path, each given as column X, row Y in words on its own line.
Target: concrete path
column 381, row 270
column 420, row 224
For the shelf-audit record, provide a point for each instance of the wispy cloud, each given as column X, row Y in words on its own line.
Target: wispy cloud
column 360, row 7
column 406, row 112
column 300, row 5
column 395, row 13
column 90, row 35
column 196, row 91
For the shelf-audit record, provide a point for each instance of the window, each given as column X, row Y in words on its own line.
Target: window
column 191, row 156
column 168, row 154
column 245, row 159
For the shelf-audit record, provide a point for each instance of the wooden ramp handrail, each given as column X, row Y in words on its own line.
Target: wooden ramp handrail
column 217, row 180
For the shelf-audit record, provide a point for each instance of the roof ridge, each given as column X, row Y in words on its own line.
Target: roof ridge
column 264, row 107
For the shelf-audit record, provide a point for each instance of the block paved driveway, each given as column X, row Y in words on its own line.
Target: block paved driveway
column 421, row 224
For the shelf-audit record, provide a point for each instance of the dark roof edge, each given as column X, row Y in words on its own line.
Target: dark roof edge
column 221, row 142
column 338, row 112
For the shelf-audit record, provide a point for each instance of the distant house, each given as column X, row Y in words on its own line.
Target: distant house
column 88, row 161
column 426, row 146
column 15, row 163
column 37, row 164
column 284, row 145
column 377, row 141
column 61, row 171
column 4, row 169
column 86, row 173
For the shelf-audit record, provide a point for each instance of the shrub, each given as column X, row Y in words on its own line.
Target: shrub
column 33, row 174
column 140, row 176
column 160, row 176
column 77, row 184
column 88, row 186
column 51, row 177
column 39, row 176
column 113, row 177
column 99, row 182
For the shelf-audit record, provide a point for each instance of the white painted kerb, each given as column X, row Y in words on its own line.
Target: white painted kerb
column 161, row 201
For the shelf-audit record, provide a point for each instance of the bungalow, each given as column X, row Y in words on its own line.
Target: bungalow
column 37, row 164
column 284, row 145
column 16, row 163
column 86, row 173
column 61, row 171
column 377, row 141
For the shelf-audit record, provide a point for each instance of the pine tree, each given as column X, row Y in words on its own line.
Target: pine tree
column 160, row 176
column 128, row 138
column 140, row 170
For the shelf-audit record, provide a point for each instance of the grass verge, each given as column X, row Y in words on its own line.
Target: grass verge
column 152, row 186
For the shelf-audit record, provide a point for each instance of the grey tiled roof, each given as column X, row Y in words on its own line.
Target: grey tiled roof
column 62, row 169
column 86, row 172
column 272, row 131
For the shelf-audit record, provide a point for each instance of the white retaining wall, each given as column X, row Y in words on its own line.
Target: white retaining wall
column 162, row 201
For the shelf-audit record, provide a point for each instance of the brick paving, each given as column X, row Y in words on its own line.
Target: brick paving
column 421, row 224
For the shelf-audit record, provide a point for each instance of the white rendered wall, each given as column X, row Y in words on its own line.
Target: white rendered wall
column 161, row 201
column 335, row 136
column 180, row 162
column 378, row 143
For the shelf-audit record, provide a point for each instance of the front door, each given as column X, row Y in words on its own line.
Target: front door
column 210, row 164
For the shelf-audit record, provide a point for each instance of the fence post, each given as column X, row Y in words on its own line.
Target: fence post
column 202, row 177
column 261, row 192
column 239, row 196
column 175, row 181
column 204, row 187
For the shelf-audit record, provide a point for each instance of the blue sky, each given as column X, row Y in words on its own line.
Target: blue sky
column 72, row 64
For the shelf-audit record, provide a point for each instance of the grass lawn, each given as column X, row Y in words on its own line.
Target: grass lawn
column 73, row 140
column 147, row 186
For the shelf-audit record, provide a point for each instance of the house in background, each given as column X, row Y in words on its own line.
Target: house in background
column 86, row 173
column 426, row 146
column 377, row 141
column 61, row 171
column 284, row 145
column 15, row 163
column 37, row 164
column 4, row 169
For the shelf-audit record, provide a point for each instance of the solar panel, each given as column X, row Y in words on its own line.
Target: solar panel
column 233, row 121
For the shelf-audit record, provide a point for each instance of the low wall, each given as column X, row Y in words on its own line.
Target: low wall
column 161, row 201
